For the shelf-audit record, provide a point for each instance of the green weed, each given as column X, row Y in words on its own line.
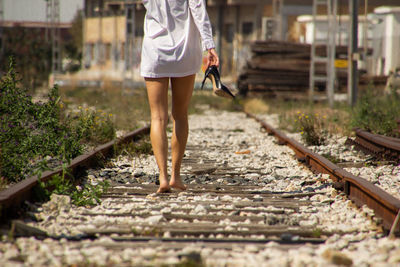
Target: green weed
column 34, row 133
column 331, row 157
column 377, row 113
column 92, row 126
column 317, row 232
column 312, row 128
column 87, row 195
column 134, row 148
column 3, row 183
column 30, row 131
column 129, row 110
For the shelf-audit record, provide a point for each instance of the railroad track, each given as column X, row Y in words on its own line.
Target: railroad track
column 382, row 147
column 232, row 204
column 356, row 188
column 251, row 216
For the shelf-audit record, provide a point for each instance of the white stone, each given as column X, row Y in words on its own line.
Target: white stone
column 226, row 198
column 10, row 253
column 148, row 253
column 154, row 219
column 199, row 209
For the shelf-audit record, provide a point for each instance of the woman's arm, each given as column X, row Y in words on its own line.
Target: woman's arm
column 202, row 21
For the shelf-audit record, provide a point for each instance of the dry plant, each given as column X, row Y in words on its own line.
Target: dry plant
column 256, row 105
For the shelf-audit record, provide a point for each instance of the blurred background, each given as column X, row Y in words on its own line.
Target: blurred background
column 98, row 42
column 327, row 66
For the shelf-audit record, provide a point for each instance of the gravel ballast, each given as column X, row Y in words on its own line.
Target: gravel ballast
column 218, row 140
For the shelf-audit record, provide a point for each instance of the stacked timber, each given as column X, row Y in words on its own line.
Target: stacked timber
column 279, row 68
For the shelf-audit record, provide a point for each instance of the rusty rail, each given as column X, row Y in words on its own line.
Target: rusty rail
column 13, row 197
column 356, row 188
column 383, row 147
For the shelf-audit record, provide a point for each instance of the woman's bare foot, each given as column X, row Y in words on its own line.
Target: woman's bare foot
column 177, row 184
column 164, row 190
column 164, row 186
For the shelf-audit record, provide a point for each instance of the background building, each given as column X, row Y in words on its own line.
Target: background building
column 35, row 10
column 37, row 34
column 113, row 32
column 378, row 37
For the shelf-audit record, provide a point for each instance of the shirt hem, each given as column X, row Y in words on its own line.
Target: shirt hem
column 163, row 75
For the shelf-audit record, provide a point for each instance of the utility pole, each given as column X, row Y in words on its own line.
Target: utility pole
column 331, row 51
column 277, row 10
column 100, row 46
column 53, row 24
column 353, row 54
column 329, row 42
column 129, row 56
column 115, row 46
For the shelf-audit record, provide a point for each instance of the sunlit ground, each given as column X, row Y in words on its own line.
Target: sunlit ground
column 130, row 108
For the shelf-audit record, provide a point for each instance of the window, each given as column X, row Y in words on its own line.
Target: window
column 91, row 49
column 247, row 30
column 108, row 51
column 228, row 32
column 129, row 13
column 123, row 51
column 139, row 32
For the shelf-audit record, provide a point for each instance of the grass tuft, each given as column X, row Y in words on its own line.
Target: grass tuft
column 256, row 105
column 135, row 148
column 312, row 128
column 377, row 113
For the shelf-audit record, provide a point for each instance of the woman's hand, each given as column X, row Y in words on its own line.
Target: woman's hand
column 212, row 58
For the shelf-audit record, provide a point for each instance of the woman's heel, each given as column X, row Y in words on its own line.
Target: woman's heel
column 206, row 74
column 202, row 83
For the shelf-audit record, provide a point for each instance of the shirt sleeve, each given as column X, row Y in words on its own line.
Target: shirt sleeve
column 202, row 21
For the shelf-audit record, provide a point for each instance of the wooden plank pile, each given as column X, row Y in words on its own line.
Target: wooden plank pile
column 279, row 68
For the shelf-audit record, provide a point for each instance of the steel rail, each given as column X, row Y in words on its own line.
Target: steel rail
column 384, row 147
column 356, row 188
column 13, row 197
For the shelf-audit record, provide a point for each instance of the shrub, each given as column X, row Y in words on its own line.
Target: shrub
column 92, row 126
column 312, row 127
column 377, row 113
column 31, row 132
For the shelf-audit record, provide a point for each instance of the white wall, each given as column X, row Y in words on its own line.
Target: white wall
column 383, row 34
column 35, row 10
column 385, row 29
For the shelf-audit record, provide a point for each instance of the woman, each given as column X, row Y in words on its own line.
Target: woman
column 171, row 51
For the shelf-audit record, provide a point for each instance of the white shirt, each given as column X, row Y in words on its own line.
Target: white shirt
column 172, row 33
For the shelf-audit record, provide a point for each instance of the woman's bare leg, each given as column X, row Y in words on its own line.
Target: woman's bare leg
column 182, row 89
column 157, row 92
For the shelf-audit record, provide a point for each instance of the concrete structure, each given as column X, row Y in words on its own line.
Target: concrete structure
column 235, row 24
column 35, row 10
column 378, row 32
column 105, row 30
column 385, row 30
column 41, row 27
